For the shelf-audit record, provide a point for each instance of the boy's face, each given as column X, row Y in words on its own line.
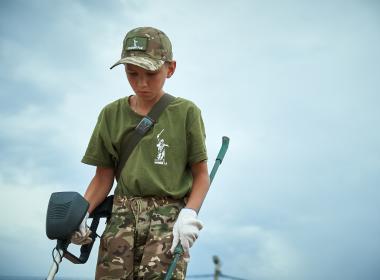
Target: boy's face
column 148, row 84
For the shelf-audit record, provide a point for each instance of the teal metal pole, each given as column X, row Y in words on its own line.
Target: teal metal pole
column 178, row 251
column 220, row 157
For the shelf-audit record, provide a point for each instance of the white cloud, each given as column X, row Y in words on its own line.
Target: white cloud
column 25, row 205
column 247, row 251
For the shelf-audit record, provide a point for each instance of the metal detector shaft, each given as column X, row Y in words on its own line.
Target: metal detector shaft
column 220, row 157
column 54, row 267
column 179, row 250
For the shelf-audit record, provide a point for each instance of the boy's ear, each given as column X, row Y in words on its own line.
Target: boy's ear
column 171, row 68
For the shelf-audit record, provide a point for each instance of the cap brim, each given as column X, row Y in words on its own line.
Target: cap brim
column 144, row 62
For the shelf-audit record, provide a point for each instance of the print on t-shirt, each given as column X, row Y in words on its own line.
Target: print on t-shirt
column 161, row 146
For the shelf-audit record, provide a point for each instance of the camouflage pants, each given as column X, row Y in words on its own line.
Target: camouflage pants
column 137, row 240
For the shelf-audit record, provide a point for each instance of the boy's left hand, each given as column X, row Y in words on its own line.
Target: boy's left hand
column 186, row 230
column 82, row 235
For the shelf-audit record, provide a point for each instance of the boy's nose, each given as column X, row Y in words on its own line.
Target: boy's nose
column 142, row 82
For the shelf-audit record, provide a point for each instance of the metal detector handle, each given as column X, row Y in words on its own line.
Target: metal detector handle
column 85, row 250
column 178, row 251
column 104, row 210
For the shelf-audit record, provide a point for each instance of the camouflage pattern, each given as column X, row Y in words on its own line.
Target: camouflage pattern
column 146, row 47
column 137, row 239
column 144, row 62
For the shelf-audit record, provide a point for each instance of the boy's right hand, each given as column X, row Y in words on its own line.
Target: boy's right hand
column 82, row 235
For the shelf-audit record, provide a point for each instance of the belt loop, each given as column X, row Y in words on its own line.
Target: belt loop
column 124, row 200
column 155, row 204
column 139, row 203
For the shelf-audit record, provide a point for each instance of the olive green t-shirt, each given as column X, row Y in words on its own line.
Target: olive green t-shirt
column 160, row 163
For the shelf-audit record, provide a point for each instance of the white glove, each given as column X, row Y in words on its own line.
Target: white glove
column 186, row 230
column 82, row 235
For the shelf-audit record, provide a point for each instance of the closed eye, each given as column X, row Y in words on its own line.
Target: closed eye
column 151, row 73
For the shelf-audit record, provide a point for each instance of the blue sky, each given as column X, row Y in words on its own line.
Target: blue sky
column 293, row 83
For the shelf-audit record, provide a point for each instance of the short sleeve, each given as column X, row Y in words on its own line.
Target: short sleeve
column 196, row 139
column 99, row 151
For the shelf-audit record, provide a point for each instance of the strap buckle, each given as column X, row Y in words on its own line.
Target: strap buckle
column 144, row 125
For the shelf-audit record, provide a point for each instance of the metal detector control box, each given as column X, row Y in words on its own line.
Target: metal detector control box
column 65, row 212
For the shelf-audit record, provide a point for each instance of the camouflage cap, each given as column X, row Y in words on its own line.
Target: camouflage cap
column 146, row 47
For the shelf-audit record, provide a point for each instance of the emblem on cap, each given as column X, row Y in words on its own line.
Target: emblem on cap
column 137, row 44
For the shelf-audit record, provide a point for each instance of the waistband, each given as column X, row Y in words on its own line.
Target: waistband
column 122, row 200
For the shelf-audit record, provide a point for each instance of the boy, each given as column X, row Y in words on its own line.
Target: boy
column 165, row 180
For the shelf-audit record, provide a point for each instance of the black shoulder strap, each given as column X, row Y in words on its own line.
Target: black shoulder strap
column 131, row 139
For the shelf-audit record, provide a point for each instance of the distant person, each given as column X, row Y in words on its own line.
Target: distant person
column 165, row 180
